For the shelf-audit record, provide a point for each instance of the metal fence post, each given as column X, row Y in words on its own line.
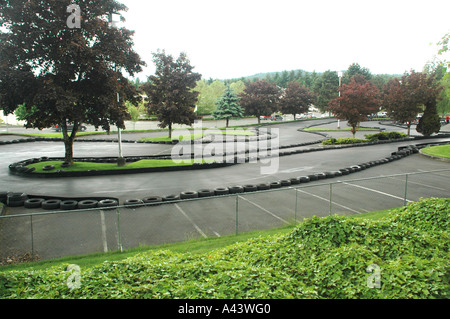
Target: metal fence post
column 119, row 239
column 406, row 189
column 331, row 195
column 237, row 214
column 296, row 205
column 32, row 237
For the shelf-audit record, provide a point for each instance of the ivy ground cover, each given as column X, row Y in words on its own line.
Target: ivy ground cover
column 324, row 258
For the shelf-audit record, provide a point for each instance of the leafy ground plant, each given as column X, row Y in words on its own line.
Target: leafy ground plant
column 326, row 258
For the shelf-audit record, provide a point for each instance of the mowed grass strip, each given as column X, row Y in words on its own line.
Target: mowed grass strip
column 438, row 151
column 86, row 166
column 194, row 136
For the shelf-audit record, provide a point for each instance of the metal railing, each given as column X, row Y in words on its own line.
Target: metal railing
column 53, row 234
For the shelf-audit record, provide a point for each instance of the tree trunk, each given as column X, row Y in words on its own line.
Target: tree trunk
column 409, row 128
column 68, row 141
column 227, row 122
column 170, row 130
column 354, row 130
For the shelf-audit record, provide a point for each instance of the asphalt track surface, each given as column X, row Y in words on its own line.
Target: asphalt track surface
column 72, row 234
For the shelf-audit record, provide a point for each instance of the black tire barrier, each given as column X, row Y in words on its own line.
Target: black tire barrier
column 221, row 191
column 69, row 204
column 275, row 184
column 170, row 198
column 304, row 179
column 48, row 168
column 313, row 177
column 133, row 202
column 263, row 186
column 3, row 196
column 344, row 171
column 294, row 181
column 88, row 203
column 33, row 203
column 285, row 182
column 105, row 203
column 205, row 193
column 152, row 199
column 236, row 189
column 321, row 175
column 250, row 188
column 188, row 195
column 51, row 204
column 65, row 164
column 16, row 199
column 356, row 168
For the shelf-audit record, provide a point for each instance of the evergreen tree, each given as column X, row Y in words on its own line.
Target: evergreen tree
column 228, row 106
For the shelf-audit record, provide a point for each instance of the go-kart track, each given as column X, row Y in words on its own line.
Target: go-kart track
column 73, row 233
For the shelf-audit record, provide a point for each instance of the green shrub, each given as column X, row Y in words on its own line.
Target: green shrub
column 384, row 136
column 340, row 141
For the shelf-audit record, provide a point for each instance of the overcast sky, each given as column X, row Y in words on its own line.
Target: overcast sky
column 234, row 38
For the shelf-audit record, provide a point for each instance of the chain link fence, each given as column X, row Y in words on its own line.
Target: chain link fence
column 47, row 235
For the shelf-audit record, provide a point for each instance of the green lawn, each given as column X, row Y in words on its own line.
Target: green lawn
column 347, row 129
column 85, row 166
column 439, row 151
column 194, row 136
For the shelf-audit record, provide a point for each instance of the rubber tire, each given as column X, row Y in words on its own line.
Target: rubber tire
column 188, row 195
column 205, row 193
column 69, row 204
column 275, row 185
column 236, row 189
column 294, row 181
column 48, row 168
column 170, row 198
column 263, row 186
column 304, row 179
column 107, row 203
column 152, row 199
column 87, row 203
column 133, row 203
column 250, row 188
column 51, row 204
column 285, row 182
column 33, row 203
column 221, row 191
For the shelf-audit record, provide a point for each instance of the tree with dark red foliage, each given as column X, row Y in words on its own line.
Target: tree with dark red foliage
column 68, row 73
column 170, row 92
column 404, row 98
column 358, row 99
column 296, row 99
column 260, row 98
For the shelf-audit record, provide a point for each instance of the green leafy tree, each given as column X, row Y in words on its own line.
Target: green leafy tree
column 67, row 73
column 296, row 99
column 353, row 70
column 228, row 106
column 170, row 93
column 260, row 98
column 358, row 99
column 326, row 88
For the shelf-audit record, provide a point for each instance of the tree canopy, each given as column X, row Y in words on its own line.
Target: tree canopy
column 67, row 74
column 296, row 99
column 260, row 98
column 358, row 99
column 170, row 93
